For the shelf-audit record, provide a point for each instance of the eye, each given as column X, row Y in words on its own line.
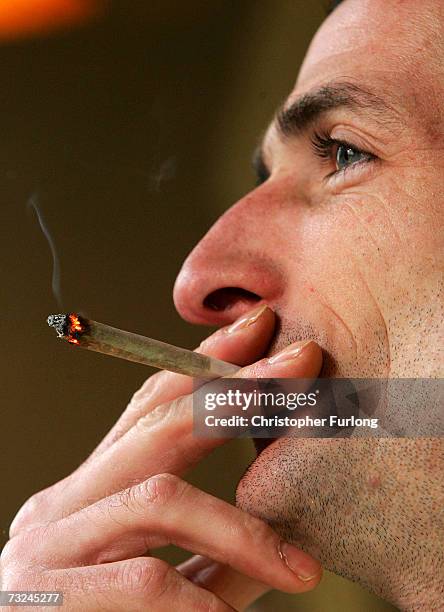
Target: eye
column 347, row 155
column 339, row 153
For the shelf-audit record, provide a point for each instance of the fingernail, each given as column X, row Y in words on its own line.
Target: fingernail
column 303, row 565
column 247, row 319
column 290, row 352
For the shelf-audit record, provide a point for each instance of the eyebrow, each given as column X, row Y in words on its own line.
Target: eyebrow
column 296, row 118
column 309, row 107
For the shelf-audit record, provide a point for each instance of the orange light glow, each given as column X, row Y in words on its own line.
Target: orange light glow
column 75, row 323
column 75, row 327
column 19, row 18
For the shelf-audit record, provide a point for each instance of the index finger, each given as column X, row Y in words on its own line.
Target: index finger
column 241, row 343
column 161, row 441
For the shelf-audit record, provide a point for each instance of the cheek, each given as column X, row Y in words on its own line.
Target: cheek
column 328, row 288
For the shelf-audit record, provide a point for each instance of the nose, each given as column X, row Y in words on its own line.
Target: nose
column 232, row 269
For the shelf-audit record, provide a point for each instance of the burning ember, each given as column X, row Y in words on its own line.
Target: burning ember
column 70, row 327
column 75, row 328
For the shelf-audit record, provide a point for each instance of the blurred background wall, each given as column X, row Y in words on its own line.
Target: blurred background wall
column 132, row 125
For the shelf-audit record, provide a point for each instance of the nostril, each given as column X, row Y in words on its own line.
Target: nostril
column 228, row 297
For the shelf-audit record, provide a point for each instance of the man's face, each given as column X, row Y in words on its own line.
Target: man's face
column 342, row 250
column 343, row 239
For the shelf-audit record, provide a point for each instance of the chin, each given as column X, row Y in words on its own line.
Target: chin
column 261, row 490
column 278, row 483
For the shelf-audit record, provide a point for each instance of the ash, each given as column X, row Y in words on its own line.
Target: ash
column 59, row 322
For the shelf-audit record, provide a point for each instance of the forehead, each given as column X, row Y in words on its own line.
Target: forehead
column 391, row 47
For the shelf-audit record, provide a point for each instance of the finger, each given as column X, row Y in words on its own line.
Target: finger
column 185, row 516
column 161, row 441
column 241, row 343
column 238, row 590
column 139, row 584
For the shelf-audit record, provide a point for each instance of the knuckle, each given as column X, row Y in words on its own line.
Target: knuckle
column 29, row 512
column 149, row 387
column 160, row 414
column 161, row 489
column 22, row 580
column 260, row 533
column 14, row 565
column 170, row 414
column 37, row 507
column 146, row 577
column 13, row 552
column 126, row 497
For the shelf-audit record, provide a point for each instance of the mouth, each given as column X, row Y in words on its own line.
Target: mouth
column 281, row 338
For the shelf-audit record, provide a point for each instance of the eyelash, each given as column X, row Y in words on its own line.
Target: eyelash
column 323, row 146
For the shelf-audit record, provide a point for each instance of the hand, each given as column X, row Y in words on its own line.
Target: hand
column 86, row 535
